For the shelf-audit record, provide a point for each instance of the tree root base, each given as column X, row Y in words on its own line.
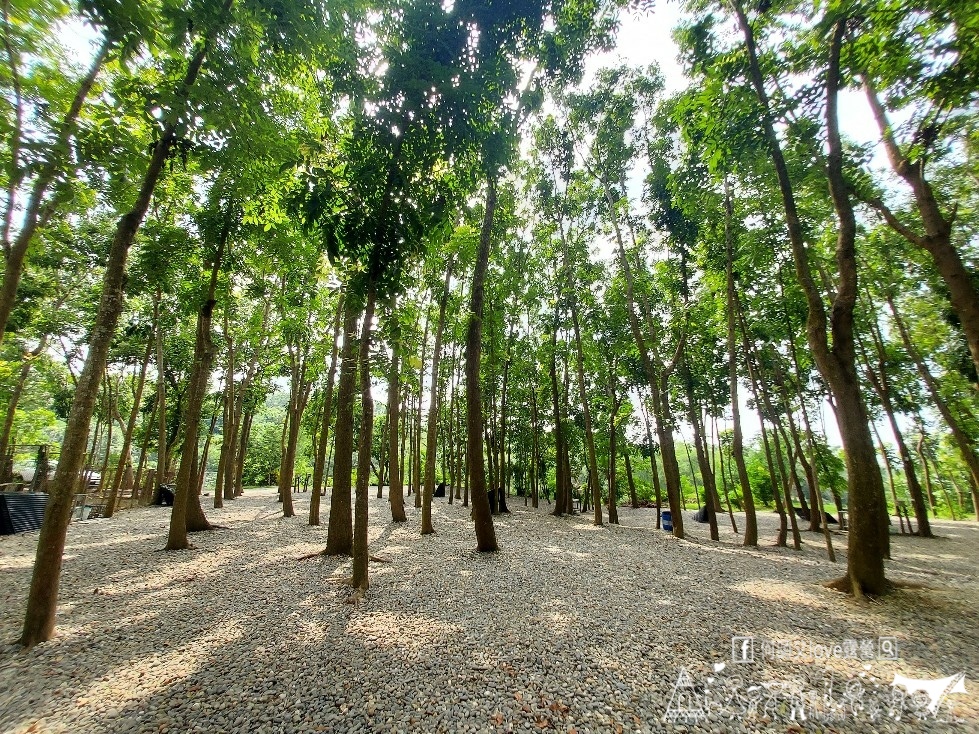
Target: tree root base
column 845, row 585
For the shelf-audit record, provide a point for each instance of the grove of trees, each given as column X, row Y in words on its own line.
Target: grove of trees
column 351, row 244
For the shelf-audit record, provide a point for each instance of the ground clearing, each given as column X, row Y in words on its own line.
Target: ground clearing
column 569, row 627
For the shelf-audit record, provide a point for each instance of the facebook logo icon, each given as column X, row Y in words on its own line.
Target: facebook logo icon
column 743, row 649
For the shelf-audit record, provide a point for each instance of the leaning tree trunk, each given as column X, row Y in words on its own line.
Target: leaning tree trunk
column 712, row 501
column 339, row 540
column 937, row 237
column 42, row 599
column 868, row 538
column 882, row 387
column 962, row 439
column 483, row 519
column 38, row 210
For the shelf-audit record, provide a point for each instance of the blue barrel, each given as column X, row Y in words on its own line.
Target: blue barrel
column 667, row 520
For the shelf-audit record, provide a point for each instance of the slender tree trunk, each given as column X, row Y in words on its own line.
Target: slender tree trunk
column 224, row 485
column 161, row 400
column 737, row 444
column 653, row 469
column 143, row 451
column 962, row 439
column 187, row 514
column 483, row 519
column 396, row 493
column 882, row 387
column 433, row 411
column 589, row 434
column 560, row 502
column 711, row 499
column 127, row 440
column 243, row 435
column 319, row 468
column 613, row 490
column 340, row 530
column 924, row 465
column 760, row 391
column 360, row 557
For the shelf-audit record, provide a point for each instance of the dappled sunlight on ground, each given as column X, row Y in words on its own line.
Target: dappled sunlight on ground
column 569, row 626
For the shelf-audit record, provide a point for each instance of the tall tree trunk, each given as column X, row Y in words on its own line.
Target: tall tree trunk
column 224, row 485
column 759, row 390
column 613, row 490
column 711, row 500
column 161, row 399
column 340, row 530
column 868, row 537
column 561, row 503
column 433, row 411
column 298, row 399
column 589, row 434
column 244, row 434
column 319, row 467
column 143, row 452
column 924, row 465
column 360, row 556
column 881, row 385
column 737, row 444
column 42, row 599
column 187, row 514
column 396, row 493
column 657, row 378
column 483, row 519
column 127, row 440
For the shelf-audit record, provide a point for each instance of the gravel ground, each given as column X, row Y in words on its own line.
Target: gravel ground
column 570, row 627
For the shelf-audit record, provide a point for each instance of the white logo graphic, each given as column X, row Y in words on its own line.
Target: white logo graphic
column 937, row 690
column 743, row 649
column 687, row 704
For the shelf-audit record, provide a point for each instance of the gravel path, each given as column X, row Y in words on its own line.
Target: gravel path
column 569, row 628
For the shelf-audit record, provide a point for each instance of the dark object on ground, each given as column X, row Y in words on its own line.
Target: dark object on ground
column 164, row 495
column 702, row 515
column 804, row 514
column 21, row 511
column 439, row 490
column 502, row 498
column 502, row 507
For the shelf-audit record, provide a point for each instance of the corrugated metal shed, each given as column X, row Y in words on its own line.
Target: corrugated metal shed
column 21, row 511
